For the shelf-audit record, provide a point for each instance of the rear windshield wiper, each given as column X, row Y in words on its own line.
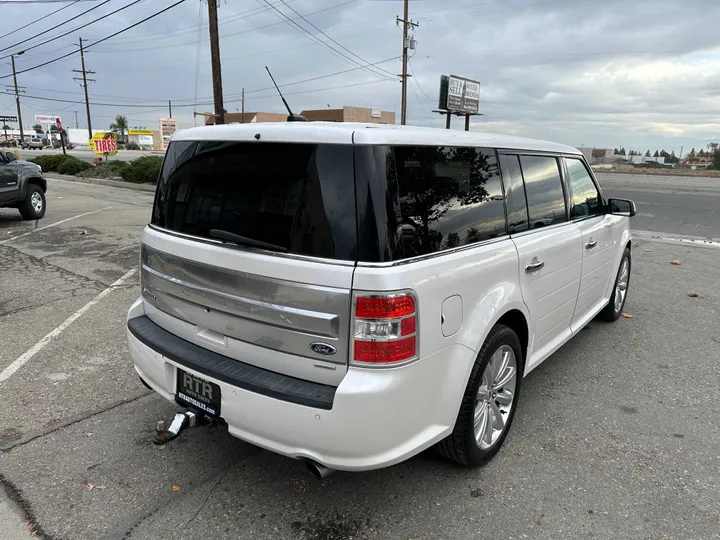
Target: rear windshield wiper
column 244, row 240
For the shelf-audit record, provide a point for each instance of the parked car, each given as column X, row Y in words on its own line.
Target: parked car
column 352, row 294
column 22, row 186
column 36, row 143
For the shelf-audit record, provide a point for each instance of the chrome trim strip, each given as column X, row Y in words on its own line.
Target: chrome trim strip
column 434, row 255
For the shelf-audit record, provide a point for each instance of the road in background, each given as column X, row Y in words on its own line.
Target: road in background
column 89, row 155
column 669, row 204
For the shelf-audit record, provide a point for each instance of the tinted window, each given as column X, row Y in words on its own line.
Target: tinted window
column 586, row 200
column 296, row 197
column 544, row 190
column 514, row 194
column 449, row 197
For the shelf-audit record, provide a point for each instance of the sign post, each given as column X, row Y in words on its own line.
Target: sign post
column 459, row 96
column 60, row 132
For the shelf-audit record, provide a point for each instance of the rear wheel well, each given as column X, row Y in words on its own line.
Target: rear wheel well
column 629, row 245
column 515, row 320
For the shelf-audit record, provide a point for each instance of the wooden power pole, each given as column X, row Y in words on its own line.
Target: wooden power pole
column 406, row 45
column 85, row 81
column 215, row 62
column 17, row 99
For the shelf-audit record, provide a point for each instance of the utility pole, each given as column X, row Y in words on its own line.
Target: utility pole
column 404, row 76
column 77, row 125
column 243, row 105
column 85, row 82
column 169, row 108
column 215, row 61
column 17, row 95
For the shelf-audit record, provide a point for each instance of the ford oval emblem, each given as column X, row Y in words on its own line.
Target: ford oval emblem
column 322, row 348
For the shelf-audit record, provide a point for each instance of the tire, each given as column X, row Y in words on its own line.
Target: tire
column 462, row 445
column 614, row 308
column 33, row 207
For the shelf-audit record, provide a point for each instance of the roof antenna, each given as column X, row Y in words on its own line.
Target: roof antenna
column 291, row 117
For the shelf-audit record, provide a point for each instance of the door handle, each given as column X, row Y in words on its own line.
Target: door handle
column 534, row 266
column 591, row 244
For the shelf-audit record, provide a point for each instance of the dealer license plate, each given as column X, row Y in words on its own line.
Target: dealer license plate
column 198, row 393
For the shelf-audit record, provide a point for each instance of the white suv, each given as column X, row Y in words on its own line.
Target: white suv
column 352, row 294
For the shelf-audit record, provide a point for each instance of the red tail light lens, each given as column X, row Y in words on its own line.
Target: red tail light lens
column 385, row 329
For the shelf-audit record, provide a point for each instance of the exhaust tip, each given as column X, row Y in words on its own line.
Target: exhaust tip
column 318, row 471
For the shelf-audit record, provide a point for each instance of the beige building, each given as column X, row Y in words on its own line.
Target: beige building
column 346, row 114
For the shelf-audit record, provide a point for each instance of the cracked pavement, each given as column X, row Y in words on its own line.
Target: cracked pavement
column 616, row 435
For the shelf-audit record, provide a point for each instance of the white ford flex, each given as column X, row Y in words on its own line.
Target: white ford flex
column 352, row 294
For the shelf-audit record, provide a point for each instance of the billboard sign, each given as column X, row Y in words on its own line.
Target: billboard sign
column 145, row 140
column 139, row 132
column 104, row 143
column 46, row 119
column 8, row 119
column 168, row 126
column 458, row 94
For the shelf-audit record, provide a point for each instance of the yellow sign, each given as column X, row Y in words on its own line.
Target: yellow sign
column 104, row 143
column 139, row 132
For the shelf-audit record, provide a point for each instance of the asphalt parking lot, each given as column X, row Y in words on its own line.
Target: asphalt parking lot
column 616, row 435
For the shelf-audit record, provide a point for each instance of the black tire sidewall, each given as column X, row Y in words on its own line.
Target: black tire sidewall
column 26, row 209
column 499, row 336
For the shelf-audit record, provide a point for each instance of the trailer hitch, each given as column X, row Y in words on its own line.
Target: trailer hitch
column 181, row 421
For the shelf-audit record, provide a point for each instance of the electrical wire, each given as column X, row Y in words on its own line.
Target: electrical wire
column 96, row 42
column 289, row 21
column 412, row 72
column 331, row 39
column 56, row 26
column 58, row 36
column 504, row 10
column 38, row 20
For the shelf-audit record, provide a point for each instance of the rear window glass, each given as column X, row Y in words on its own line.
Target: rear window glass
column 449, row 197
column 295, row 198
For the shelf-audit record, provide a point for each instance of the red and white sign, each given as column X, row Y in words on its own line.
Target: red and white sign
column 105, row 146
column 59, row 124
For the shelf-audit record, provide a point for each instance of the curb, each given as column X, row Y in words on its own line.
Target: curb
column 102, row 182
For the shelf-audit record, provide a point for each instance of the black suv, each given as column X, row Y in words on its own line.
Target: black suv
column 22, row 186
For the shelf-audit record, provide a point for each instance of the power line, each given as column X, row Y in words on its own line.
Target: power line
column 58, row 36
column 56, row 26
column 331, row 39
column 99, row 41
column 412, row 72
column 317, row 40
column 38, row 20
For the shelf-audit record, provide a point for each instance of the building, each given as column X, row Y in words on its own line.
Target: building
column 597, row 155
column 346, row 114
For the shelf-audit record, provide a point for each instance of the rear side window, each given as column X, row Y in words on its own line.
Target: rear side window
column 586, row 200
column 544, row 191
column 449, row 197
column 514, row 194
column 296, row 198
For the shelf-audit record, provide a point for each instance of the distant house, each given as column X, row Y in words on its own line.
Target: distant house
column 597, row 155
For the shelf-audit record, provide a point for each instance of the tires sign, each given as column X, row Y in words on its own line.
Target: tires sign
column 104, row 144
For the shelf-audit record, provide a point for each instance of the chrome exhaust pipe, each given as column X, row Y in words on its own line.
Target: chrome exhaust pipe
column 318, row 471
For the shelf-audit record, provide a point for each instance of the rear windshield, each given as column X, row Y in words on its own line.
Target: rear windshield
column 294, row 198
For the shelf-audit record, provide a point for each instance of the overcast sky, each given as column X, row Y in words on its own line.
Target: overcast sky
column 644, row 74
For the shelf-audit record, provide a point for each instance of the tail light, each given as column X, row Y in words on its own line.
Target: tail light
column 385, row 329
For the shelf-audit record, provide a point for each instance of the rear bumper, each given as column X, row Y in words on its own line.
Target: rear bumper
column 378, row 417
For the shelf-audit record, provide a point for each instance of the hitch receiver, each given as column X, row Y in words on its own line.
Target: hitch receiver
column 181, row 420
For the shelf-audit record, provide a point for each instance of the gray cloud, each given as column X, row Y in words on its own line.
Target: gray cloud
column 643, row 74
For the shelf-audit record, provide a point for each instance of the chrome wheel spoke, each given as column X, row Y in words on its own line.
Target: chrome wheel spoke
column 505, row 398
column 495, row 397
column 480, row 420
column 498, row 419
column 506, row 377
column 488, row 435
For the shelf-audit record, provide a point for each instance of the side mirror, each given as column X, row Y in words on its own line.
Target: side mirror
column 622, row 207
column 10, row 156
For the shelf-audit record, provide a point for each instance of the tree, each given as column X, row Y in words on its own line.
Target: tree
column 656, row 154
column 647, row 154
column 121, row 125
column 692, row 153
column 622, row 151
column 37, row 128
column 716, row 160
column 616, row 152
column 701, row 153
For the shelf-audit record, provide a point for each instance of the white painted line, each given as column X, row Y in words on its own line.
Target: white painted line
column 53, row 224
column 22, row 360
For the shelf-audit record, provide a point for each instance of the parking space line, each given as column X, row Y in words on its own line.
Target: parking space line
column 53, row 224
column 22, row 360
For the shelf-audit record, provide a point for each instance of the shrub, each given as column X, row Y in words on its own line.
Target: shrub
column 144, row 170
column 132, row 146
column 73, row 166
column 51, row 162
column 111, row 169
column 56, row 144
